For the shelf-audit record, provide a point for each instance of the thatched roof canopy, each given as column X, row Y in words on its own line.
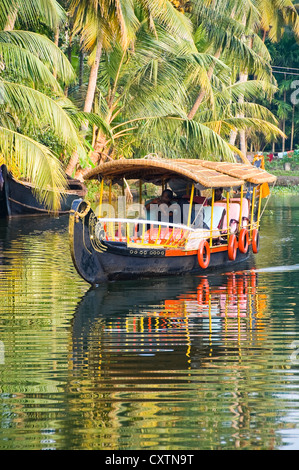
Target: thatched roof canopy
column 247, row 172
column 206, row 173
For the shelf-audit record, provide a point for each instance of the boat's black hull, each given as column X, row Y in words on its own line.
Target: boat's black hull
column 112, row 261
column 18, row 199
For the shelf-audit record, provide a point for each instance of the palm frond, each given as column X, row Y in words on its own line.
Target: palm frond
column 27, row 65
column 43, row 110
column 36, row 163
column 44, row 49
column 268, row 129
column 188, row 137
column 163, row 12
column 79, row 117
column 33, row 12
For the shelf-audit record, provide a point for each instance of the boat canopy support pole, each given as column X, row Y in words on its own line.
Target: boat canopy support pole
column 259, row 207
column 241, row 207
column 252, row 210
column 101, row 197
column 190, row 206
column 227, row 215
column 212, row 214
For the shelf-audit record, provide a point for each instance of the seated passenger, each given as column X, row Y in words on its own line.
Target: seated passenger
column 217, row 197
column 165, row 198
column 163, row 202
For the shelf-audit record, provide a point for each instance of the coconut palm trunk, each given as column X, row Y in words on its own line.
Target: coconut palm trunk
column 92, row 83
column 243, row 145
column 89, row 99
column 202, row 93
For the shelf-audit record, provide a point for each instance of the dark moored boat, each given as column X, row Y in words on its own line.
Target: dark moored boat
column 203, row 230
column 17, row 197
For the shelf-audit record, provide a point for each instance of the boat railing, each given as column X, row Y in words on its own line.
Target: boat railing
column 143, row 232
column 218, row 222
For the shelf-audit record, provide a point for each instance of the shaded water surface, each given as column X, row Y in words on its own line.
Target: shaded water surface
column 188, row 363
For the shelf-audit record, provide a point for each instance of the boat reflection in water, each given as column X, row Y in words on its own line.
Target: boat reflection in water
column 162, row 325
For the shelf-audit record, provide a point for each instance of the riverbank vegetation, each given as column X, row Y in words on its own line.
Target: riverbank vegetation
column 86, row 81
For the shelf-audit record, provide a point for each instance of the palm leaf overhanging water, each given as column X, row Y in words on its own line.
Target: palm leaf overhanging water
column 32, row 97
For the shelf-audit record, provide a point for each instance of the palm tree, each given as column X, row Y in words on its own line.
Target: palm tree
column 144, row 95
column 146, row 88
column 233, row 31
column 103, row 22
column 225, row 30
column 273, row 17
column 30, row 93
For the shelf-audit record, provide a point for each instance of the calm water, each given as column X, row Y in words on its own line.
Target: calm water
column 175, row 364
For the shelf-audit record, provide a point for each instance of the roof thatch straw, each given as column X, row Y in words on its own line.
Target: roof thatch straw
column 206, row 173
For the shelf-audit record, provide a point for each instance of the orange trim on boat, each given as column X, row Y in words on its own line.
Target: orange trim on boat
column 176, row 252
column 214, row 249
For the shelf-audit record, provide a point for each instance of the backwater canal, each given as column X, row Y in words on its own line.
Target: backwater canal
column 187, row 363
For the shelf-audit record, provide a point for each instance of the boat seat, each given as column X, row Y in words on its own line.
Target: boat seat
column 218, row 216
column 234, row 214
column 200, row 234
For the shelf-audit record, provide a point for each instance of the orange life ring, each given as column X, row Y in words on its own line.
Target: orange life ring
column 243, row 240
column 203, row 292
column 204, row 254
column 232, row 247
column 255, row 240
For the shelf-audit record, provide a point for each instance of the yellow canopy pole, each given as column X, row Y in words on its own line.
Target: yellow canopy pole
column 241, row 208
column 110, row 194
column 143, row 233
column 227, row 214
column 158, row 235
column 212, row 211
column 128, row 233
column 252, row 211
column 101, row 197
column 112, row 228
column 190, row 206
column 259, row 209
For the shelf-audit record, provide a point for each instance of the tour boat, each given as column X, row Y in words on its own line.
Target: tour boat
column 17, row 198
column 199, row 229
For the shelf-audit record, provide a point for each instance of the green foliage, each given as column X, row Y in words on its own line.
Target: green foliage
column 285, row 191
column 36, row 129
column 157, row 60
column 285, row 54
column 145, row 89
